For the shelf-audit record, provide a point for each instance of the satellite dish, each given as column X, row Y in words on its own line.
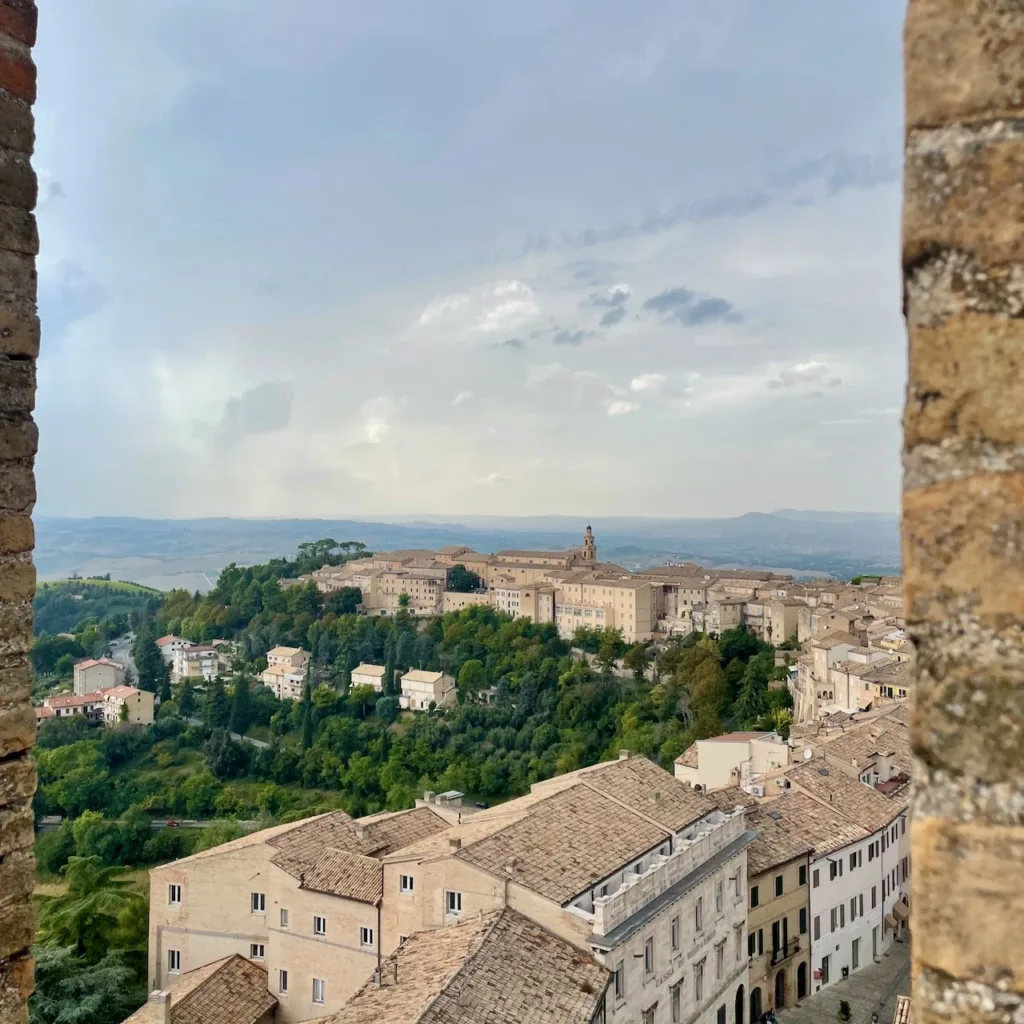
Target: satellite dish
column 808, row 754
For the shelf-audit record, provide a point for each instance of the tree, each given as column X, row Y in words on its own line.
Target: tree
column 307, row 716
column 64, row 667
column 89, row 915
column 241, row 710
column 635, row 659
column 218, row 832
column 71, row 990
column 150, row 666
column 404, row 600
column 388, row 685
column 186, row 700
column 217, row 711
column 165, row 688
column 472, row 679
column 462, row 580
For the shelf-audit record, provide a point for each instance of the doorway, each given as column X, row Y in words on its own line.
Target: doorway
column 801, row 981
column 780, row 990
column 741, row 999
column 755, row 1005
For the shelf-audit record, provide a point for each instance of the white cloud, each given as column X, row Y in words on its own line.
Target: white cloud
column 492, row 478
column 462, row 396
column 492, row 308
column 648, row 382
column 378, row 414
column 805, row 373
column 622, row 408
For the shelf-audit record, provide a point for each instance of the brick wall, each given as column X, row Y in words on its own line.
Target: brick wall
column 19, row 345
column 963, row 502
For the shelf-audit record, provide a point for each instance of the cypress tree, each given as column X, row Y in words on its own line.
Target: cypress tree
column 307, row 716
column 241, row 709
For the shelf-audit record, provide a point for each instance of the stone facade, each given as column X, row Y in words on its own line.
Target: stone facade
column 19, row 346
column 963, row 267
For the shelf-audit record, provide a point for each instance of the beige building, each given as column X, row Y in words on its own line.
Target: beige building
column 420, row 689
column 456, row 601
column 200, row 662
column 368, row 675
column 170, row 645
column 778, row 904
column 302, row 900
column 96, row 674
column 127, row 704
column 604, row 601
column 285, row 674
column 743, row 759
column 64, row 705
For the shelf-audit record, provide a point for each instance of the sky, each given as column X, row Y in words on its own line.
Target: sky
column 585, row 257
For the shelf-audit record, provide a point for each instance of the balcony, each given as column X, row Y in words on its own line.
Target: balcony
column 785, row 952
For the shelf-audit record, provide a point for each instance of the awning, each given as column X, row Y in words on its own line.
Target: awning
column 890, row 922
column 901, row 911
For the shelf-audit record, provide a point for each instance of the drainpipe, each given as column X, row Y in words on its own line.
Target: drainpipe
column 378, row 939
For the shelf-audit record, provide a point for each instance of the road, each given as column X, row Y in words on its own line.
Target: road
column 261, row 744
column 121, row 652
column 50, row 822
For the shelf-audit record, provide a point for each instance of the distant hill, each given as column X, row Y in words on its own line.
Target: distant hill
column 165, row 553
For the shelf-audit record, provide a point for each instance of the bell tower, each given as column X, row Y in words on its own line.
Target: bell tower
column 589, row 550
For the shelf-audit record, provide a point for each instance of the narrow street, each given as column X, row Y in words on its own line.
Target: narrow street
column 871, row 990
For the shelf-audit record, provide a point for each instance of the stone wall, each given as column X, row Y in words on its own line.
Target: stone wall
column 963, row 502
column 19, row 345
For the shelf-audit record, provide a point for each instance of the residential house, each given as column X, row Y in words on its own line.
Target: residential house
column 303, row 900
column 170, row 645
column 778, row 907
column 500, row 967
column 741, row 759
column 64, row 705
column 198, row 662
column 232, row 990
column 96, row 674
column 285, row 674
column 127, row 704
column 368, row 675
column 420, row 689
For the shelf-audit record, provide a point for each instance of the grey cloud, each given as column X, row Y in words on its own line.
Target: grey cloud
column 512, row 343
column 683, row 306
column 67, row 294
column 567, row 337
column 260, row 410
column 591, row 272
column 612, row 317
column 617, row 297
column 805, row 373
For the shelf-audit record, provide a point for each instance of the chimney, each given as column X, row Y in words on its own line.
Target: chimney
column 360, row 831
column 160, row 1007
column 455, row 843
column 428, row 795
column 656, row 798
column 623, row 755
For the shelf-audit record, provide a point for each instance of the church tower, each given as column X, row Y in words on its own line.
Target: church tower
column 589, row 550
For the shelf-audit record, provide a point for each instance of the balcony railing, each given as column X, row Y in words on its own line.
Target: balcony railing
column 785, row 952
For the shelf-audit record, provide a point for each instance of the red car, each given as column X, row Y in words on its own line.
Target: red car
column 171, row 823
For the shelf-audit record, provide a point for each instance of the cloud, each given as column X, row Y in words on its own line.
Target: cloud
column 683, row 306
column 563, row 336
column 461, row 397
column 517, row 343
column 260, row 410
column 647, row 382
column 377, row 416
column 492, row 478
column 805, row 373
column 620, row 408
column 488, row 309
column 592, row 272
column 617, row 296
column 67, row 294
column 612, row 317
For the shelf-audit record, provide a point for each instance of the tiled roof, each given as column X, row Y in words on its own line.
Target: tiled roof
column 93, row 662
column 688, row 758
column 500, row 968
column 284, row 652
column 370, row 670
column 229, row 991
column 861, row 803
column 417, row 675
column 351, row 875
column 824, row 828
column 858, row 745
column 904, row 1011
column 169, row 639
column 649, row 790
column 44, row 713
column 781, row 835
column 730, row 798
column 566, row 843
column 120, row 691
column 74, row 700
column 833, row 639
column 736, row 737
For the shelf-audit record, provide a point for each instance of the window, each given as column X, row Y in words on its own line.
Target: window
column 319, row 925
column 405, row 883
column 649, row 956
column 817, row 928
column 833, row 870
column 853, row 909
column 853, row 860
column 760, row 941
column 842, row 915
column 647, row 1016
column 738, row 881
column 721, row 1015
column 699, row 913
column 754, row 896
column 174, row 895
column 365, row 936
column 855, row 955
column 258, row 903
column 871, row 853
column 738, row 932
column 675, row 933
column 817, row 878
column 874, row 897
column 453, row 902
column 284, row 918
column 860, row 905
column 885, row 841
column 318, row 990
column 834, row 919
column 778, row 885
column 620, row 980
column 802, row 880
column 751, row 944
column 675, row 1002
column 401, row 939
column 719, row 897
column 282, row 981
column 174, row 961
column 720, row 960
column 824, row 970
column 903, row 826
column 255, row 950
column 698, row 982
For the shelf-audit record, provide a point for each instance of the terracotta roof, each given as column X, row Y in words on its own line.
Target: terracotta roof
column 351, row 875
column 904, row 1011
column 120, row 691
column 833, row 639
column 858, row 746
column 649, row 790
column 93, row 662
column 74, row 700
column 860, row 803
column 417, row 675
column 284, row 652
column 370, row 670
column 165, row 640
column 736, row 737
column 825, row 828
column 500, row 967
column 781, row 835
column 688, row 757
column 44, row 713
column 229, row 991
column 566, row 843
column 730, row 798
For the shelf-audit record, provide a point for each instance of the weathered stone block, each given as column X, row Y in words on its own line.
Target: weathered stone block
column 965, row 540
column 18, row 75
column 15, row 682
column 964, row 189
column 967, row 879
column 17, row 578
column 17, row 782
column 17, row 729
column 17, row 832
column 952, row 391
column 17, row 129
column 18, row 924
column 18, row 230
column 16, row 985
column 16, row 879
column 15, row 627
column 19, row 438
column 17, row 486
column 18, row 185
column 17, row 277
column 964, row 61
column 19, row 329
column 19, row 18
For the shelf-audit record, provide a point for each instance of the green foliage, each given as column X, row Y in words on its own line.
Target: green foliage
column 241, row 709
column 472, row 679
column 153, row 671
column 54, row 848
column 217, row 833
column 843, row 1015
column 186, row 700
column 48, row 650
column 216, row 710
column 71, row 990
column 67, row 606
column 462, row 580
column 65, row 667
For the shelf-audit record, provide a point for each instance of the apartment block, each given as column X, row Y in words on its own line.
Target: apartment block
column 742, row 759
column 285, row 674
column 96, row 674
column 127, row 704
column 420, row 689
column 368, row 675
column 170, row 645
